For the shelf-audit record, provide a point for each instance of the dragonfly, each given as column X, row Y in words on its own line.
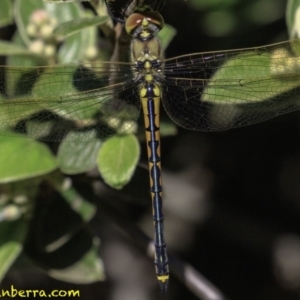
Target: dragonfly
column 210, row 91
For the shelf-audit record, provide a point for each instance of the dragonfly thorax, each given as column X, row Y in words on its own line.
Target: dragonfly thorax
column 145, row 46
column 146, row 54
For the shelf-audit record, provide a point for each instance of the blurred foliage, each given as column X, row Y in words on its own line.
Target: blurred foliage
column 226, row 17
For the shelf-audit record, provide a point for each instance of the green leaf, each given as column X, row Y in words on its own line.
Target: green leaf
column 117, row 159
column 52, row 90
column 74, row 26
column 87, row 270
column 92, row 38
column 55, row 81
column 293, row 18
column 16, row 60
column 60, row 242
column 166, row 35
column 13, row 110
column 21, row 60
column 55, row 223
column 12, row 236
column 38, row 129
column 168, row 129
column 22, row 158
column 55, row 90
column 79, row 204
column 78, row 152
column 67, row 251
column 241, row 84
column 82, row 206
column 8, row 48
column 73, row 48
column 247, row 70
column 6, row 13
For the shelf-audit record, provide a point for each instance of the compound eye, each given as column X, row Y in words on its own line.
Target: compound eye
column 155, row 18
column 137, row 18
column 133, row 22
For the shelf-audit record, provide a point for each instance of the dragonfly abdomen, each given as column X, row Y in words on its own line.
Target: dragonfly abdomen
column 146, row 54
column 150, row 99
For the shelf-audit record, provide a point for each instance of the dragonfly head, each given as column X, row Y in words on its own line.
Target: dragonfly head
column 144, row 23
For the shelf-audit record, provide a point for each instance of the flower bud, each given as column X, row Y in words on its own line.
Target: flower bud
column 91, row 53
column 49, row 50
column 37, row 46
column 31, row 30
column 39, row 17
column 11, row 212
column 46, row 31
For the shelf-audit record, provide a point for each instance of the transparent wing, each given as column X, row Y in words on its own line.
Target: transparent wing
column 47, row 102
column 222, row 90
